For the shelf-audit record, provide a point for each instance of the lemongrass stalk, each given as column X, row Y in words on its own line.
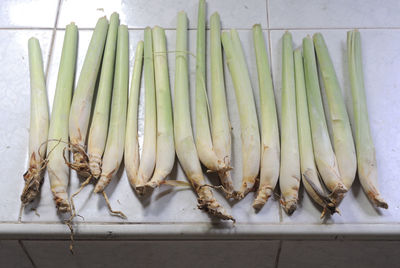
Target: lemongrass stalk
column 367, row 167
column 204, row 143
column 323, row 153
column 131, row 155
column 250, row 135
column 148, row 159
column 220, row 125
column 99, row 127
column 81, row 105
column 270, row 149
column 343, row 143
column 309, row 173
column 39, row 124
column 165, row 128
column 114, row 150
column 58, row 130
column 289, row 180
column 184, row 142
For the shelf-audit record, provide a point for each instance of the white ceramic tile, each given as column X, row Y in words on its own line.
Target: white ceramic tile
column 142, row 13
column 153, row 253
column 380, row 64
column 333, row 14
column 14, row 111
column 165, row 204
column 366, row 254
column 28, row 13
column 12, row 255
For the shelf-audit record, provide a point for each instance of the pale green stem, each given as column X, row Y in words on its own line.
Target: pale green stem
column 289, row 179
column 323, row 153
column 221, row 127
column 342, row 137
column 250, row 135
column 367, row 166
column 184, row 142
column 165, row 126
column 270, row 148
column 81, row 105
column 99, row 127
column 131, row 156
column 148, row 159
column 58, row 130
column 116, row 132
column 39, row 123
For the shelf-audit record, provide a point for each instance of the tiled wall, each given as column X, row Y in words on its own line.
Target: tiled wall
column 379, row 24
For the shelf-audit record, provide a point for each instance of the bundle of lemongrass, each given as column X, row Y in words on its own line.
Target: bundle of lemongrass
column 302, row 151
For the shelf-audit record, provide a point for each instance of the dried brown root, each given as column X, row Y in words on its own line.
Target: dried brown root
column 378, row 201
column 80, row 160
column 264, row 193
column 208, row 203
column 33, row 179
column 113, row 212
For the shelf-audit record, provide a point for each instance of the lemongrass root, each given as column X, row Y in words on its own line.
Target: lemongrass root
column 165, row 129
column 289, row 180
column 309, row 171
column 220, row 124
column 270, row 150
column 99, row 127
column 39, row 124
column 116, row 133
column 148, row 159
column 250, row 135
column 184, row 142
column 81, row 105
column 58, row 130
column 343, row 142
column 323, row 153
column 367, row 166
column 131, row 154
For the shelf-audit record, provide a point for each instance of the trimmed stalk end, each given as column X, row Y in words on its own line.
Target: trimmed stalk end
column 95, row 165
column 140, row 189
column 62, row 204
column 289, row 206
column 377, row 200
column 264, row 193
column 208, row 203
column 338, row 193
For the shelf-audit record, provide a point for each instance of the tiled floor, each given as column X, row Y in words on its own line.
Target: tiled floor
column 380, row 29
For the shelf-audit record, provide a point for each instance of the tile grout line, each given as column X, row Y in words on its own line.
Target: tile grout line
column 53, row 37
column 26, row 253
column 278, row 254
column 272, row 77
